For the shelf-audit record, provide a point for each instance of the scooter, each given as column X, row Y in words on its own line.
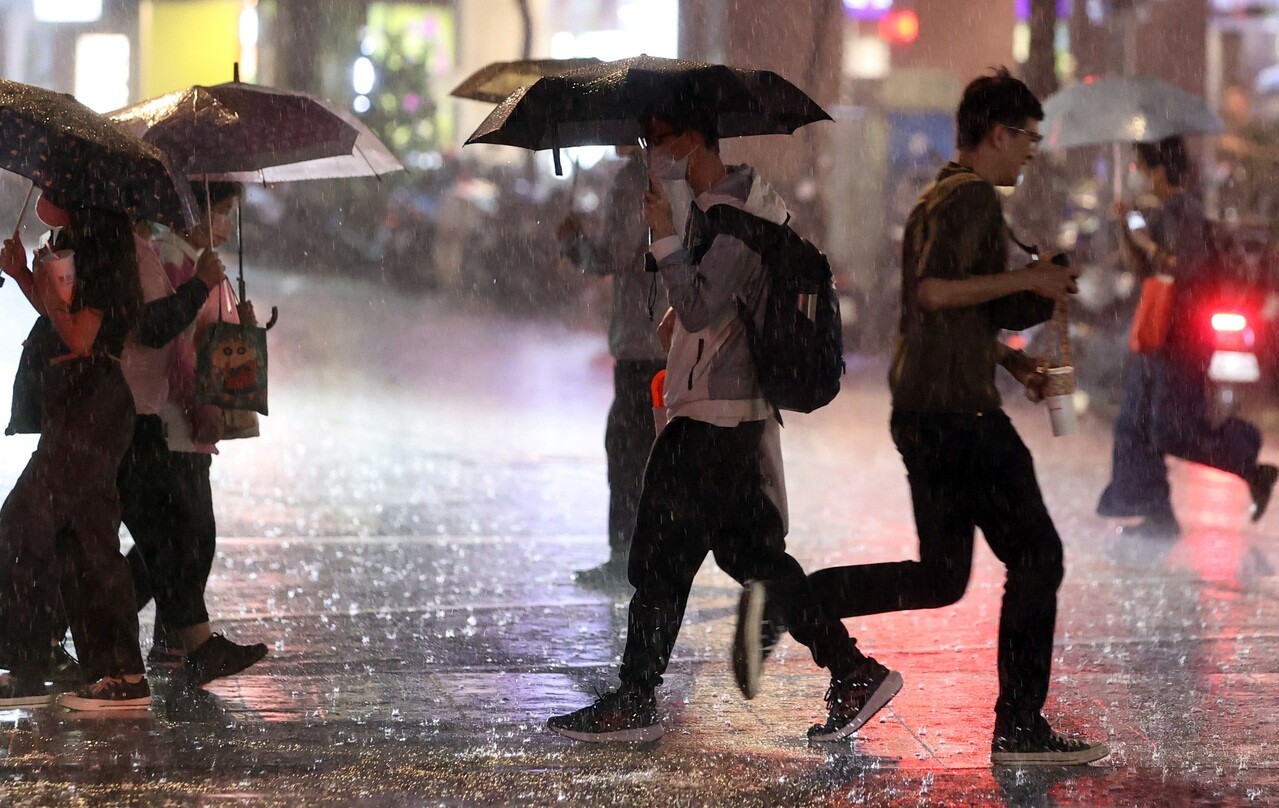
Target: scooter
column 1233, row 367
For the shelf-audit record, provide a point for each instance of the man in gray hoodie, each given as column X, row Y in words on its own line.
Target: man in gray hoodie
column 632, row 340
column 708, row 486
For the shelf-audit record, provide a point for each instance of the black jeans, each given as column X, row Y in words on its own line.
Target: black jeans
column 1165, row 411
column 167, row 505
column 59, row 529
column 628, row 438
column 969, row 471
column 703, row 492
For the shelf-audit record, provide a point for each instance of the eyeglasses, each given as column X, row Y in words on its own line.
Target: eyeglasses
column 1035, row 137
column 657, row 140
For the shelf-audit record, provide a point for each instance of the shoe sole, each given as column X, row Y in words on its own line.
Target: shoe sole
column 883, row 694
column 26, row 701
column 636, row 735
column 1088, row 755
column 98, row 705
column 748, row 649
column 199, row 682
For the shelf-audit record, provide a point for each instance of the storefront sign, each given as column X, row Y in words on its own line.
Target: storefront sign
column 867, row 9
column 68, row 10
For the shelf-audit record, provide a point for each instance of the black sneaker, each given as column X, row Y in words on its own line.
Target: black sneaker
column 1152, row 527
column 622, row 716
column 219, row 657
column 1260, row 486
column 610, row 576
column 109, row 693
column 855, row 699
column 1040, row 745
column 758, row 631
column 15, row 692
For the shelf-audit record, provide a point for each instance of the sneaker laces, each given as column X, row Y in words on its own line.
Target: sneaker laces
column 606, row 697
column 620, row 699
column 842, row 691
column 104, row 684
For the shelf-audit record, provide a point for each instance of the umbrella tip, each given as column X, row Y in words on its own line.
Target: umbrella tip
column 235, row 72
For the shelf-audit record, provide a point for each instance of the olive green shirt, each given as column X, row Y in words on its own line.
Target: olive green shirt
column 945, row 360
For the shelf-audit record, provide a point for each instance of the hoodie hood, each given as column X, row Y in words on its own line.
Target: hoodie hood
column 742, row 188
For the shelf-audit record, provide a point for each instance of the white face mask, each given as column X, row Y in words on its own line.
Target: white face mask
column 662, row 165
column 1139, row 183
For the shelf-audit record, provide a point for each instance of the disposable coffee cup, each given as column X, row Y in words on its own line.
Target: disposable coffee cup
column 61, row 268
column 1059, row 394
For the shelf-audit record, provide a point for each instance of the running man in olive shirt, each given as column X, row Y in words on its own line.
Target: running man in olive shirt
column 966, row 465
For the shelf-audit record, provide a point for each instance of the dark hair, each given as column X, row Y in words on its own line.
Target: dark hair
column 105, row 252
column 1170, row 153
column 990, row 101
column 218, row 192
column 703, row 124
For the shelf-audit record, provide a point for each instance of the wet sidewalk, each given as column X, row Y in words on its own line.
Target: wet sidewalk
column 403, row 536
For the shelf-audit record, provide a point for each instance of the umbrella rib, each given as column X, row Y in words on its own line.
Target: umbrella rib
column 365, row 158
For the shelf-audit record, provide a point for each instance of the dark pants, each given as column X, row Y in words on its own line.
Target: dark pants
column 59, row 529
column 1165, row 412
column 167, row 505
column 969, row 471
column 628, row 438
column 703, row 493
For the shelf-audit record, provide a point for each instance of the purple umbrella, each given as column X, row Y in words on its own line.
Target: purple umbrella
column 237, row 127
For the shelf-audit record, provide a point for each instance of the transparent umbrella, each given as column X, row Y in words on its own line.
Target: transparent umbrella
column 1123, row 110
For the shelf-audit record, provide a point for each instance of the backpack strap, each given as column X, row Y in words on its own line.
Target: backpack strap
column 931, row 199
column 752, row 230
column 755, row 232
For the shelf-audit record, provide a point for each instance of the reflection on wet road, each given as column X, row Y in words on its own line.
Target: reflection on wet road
column 402, row 536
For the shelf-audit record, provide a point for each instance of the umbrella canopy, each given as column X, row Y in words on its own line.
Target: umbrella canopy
column 83, row 158
column 1123, row 110
column 494, row 82
column 601, row 105
column 370, row 157
column 237, row 127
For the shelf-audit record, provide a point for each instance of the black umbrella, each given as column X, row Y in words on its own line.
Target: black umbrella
column 84, row 159
column 493, row 83
column 603, row 104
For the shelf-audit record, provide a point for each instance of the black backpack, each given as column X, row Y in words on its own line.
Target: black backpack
column 27, row 408
column 799, row 351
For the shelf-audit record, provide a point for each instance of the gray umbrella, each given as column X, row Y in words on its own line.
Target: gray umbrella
column 493, row 83
column 1123, row 110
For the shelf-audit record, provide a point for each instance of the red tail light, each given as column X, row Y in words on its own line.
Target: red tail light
column 1232, row 332
column 1228, row 322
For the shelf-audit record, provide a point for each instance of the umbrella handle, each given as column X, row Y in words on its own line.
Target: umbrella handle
column 17, row 226
column 275, row 315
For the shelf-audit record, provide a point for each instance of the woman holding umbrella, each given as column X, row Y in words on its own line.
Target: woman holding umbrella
column 59, row 525
column 164, row 482
column 1164, row 410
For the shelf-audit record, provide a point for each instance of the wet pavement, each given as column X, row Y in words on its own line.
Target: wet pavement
column 403, row 535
